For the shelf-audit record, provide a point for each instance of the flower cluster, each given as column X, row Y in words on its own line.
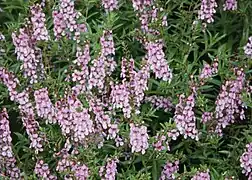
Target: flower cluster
column 208, row 71
column 81, row 76
column 29, row 55
column 68, row 164
column 173, row 134
column 65, row 21
column 108, row 51
column 229, row 104
column 97, row 74
column 246, row 161
column 185, row 118
column 201, row 176
column 230, row 5
column 207, row 10
column 138, row 138
column 65, row 162
column 59, row 24
column 120, row 98
column 7, row 158
column 83, row 125
column 63, row 117
column 73, row 119
column 206, row 117
column 10, row 81
column 148, row 12
column 108, row 172
column 38, row 22
column 248, row 48
column 160, row 102
column 44, row 106
column 161, row 143
column 29, row 122
column 138, row 84
column 156, row 60
column 101, row 117
column 25, row 107
column 81, row 171
column 110, row 5
column 42, row 171
column 140, row 5
column 169, row 170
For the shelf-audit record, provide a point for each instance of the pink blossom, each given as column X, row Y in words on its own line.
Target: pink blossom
column 138, row 138
column 28, row 118
column 120, row 98
column 10, row 81
column 201, row 175
column 110, row 5
column 29, row 55
column 206, row 117
column 44, row 106
column 246, row 161
column 207, row 10
column 7, row 158
column 185, row 118
column 160, row 102
column 230, row 5
column 169, row 170
column 38, row 21
column 156, row 60
column 42, row 171
column 229, row 102
column 108, row 172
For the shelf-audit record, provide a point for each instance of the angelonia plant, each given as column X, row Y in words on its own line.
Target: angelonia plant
column 125, row 89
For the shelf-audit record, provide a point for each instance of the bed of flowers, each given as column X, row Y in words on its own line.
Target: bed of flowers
column 126, row 89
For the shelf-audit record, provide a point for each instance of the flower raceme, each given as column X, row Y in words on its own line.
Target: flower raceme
column 246, row 161
column 230, row 5
column 229, row 105
column 169, row 170
column 185, row 118
column 207, row 10
column 42, row 170
column 110, row 5
column 7, row 158
column 108, row 172
column 138, row 138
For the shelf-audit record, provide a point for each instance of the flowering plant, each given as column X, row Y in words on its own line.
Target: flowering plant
column 134, row 89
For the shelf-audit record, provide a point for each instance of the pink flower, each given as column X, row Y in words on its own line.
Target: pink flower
column 108, row 172
column 201, row 176
column 207, row 10
column 206, row 117
column 42, row 171
column 168, row 171
column 7, row 158
column 110, row 5
column 44, row 106
column 138, row 138
column 38, row 21
column 156, row 60
column 230, row 5
column 29, row 54
column 229, row 102
column 185, row 118
column 160, row 102
column 246, row 161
